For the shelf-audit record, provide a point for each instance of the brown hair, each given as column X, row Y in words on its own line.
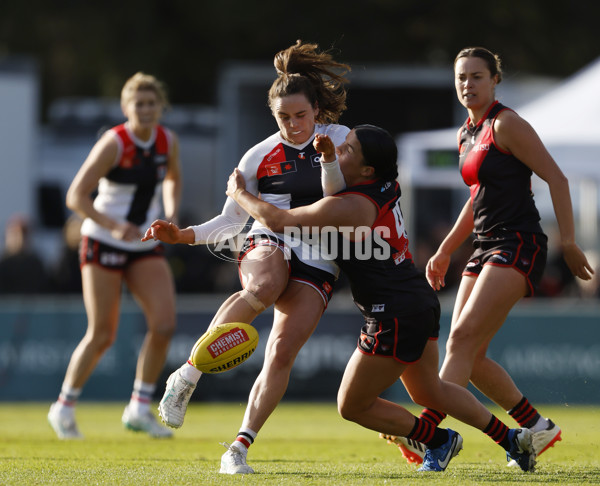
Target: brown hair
column 141, row 81
column 492, row 60
column 302, row 69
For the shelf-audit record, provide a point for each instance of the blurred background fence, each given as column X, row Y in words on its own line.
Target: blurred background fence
column 551, row 350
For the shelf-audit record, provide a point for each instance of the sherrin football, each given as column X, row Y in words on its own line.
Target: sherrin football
column 224, row 346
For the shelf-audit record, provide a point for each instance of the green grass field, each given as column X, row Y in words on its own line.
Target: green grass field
column 301, row 444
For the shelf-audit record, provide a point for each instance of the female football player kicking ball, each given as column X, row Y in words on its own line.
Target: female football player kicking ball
column 307, row 97
column 401, row 310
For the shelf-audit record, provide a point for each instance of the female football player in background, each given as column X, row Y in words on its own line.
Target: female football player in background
column 133, row 166
column 307, row 98
column 499, row 151
column 401, row 311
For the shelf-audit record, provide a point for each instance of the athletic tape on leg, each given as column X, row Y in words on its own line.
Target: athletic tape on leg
column 253, row 300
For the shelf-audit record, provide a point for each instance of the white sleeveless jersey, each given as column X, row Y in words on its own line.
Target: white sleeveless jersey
column 132, row 189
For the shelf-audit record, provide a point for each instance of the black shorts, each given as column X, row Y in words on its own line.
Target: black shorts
column 322, row 281
column 111, row 258
column 525, row 252
column 402, row 338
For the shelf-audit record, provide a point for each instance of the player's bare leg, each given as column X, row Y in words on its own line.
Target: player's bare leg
column 291, row 329
column 150, row 282
column 101, row 295
column 265, row 274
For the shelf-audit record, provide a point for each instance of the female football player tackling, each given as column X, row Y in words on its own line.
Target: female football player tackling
column 498, row 153
column 306, row 98
column 401, row 311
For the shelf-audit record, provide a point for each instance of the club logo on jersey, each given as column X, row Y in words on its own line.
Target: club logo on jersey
column 126, row 163
column 281, row 168
column 399, row 257
column 315, row 160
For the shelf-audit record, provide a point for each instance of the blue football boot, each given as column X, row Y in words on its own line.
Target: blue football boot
column 439, row 458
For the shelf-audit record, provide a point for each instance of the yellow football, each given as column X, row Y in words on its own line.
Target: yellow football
column 223, row 347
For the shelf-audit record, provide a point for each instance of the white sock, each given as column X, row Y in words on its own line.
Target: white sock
column 141, row 397
column 67, row 399
column 245, row 439
column 541, row 424
column 190, row 373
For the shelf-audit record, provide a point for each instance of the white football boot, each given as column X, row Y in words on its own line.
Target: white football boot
column 63, row 423
column 543, row 439
column 174, row 402
column 145, row 423
column 546, row 438
column 234, row 461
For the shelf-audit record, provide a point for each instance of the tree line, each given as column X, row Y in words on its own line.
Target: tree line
column 90, row 48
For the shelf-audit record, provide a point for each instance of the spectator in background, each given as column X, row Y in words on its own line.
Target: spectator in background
column 22, row 271
column 197, row 269
column 67, row 274
column 590, row 289
column 557, row 280
column 428, row 244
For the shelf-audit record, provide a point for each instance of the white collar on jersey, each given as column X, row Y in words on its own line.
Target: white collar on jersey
column 145, row 144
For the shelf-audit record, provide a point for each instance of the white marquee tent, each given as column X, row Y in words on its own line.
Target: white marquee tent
column 568, row 121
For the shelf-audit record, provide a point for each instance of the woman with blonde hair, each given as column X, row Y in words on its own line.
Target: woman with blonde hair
column 133, row 166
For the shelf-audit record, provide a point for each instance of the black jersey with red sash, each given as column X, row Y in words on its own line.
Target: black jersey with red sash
column 142, row 167
column 500, row 184
column 295, row 173
column 383, row 278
